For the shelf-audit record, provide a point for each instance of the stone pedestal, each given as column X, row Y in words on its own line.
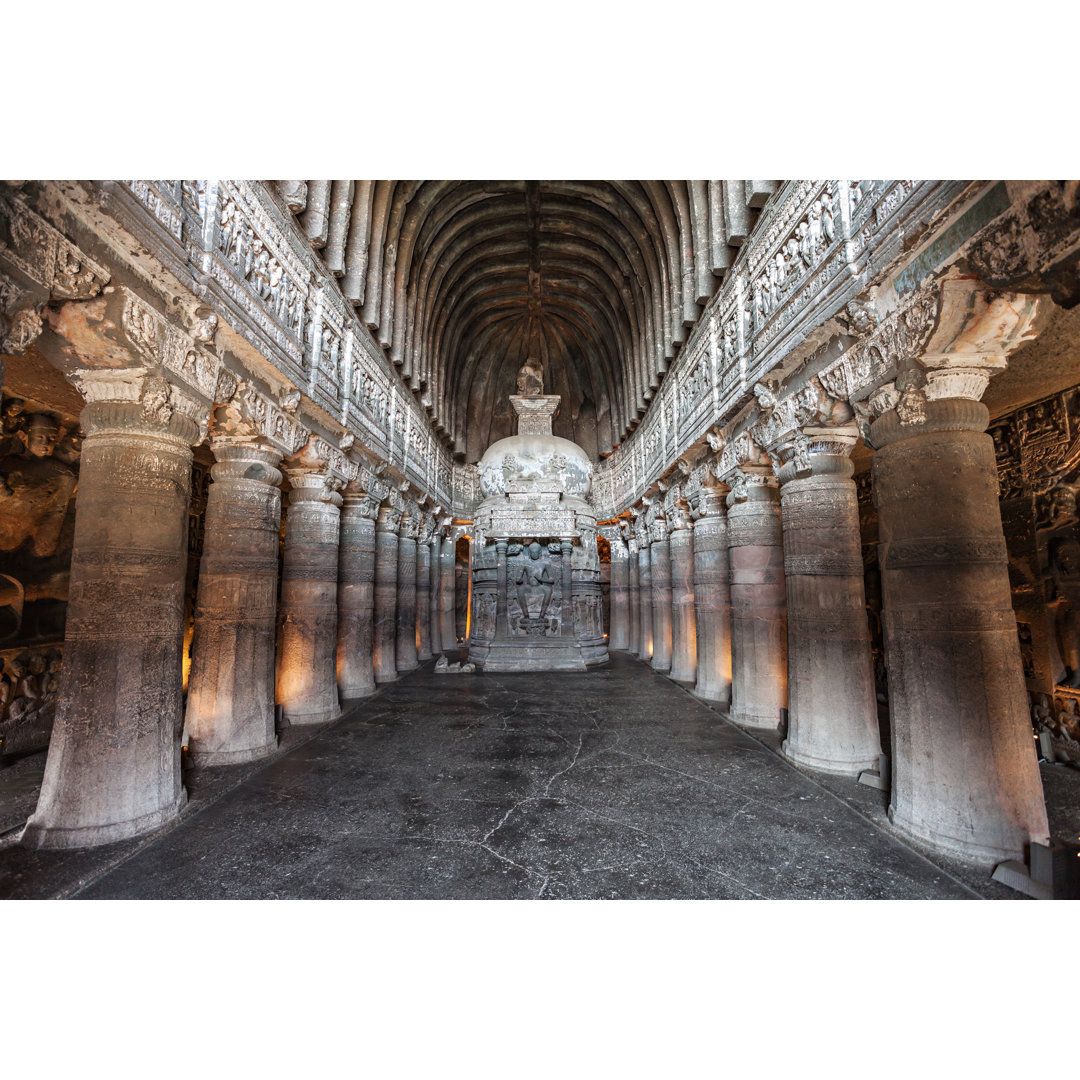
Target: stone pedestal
column 619, row 632
column 633, row 598
column 965, row 777
column 386, row 567
column 230, row 706
column 645, row 604
column 113, row 769
column 447, row 599
column 308, row 616
column 712, row 599
column 406, row 595
column 423, row 601
column 660, row 562
column 683, row 622
column 356, row 596
column 832, row 709
column 758, row 598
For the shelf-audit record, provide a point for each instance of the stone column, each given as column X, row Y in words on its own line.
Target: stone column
column 645, row 604
column 406, row 591
column 684, row 624
column 660, row 560
column 832, row 708
column 423, row 597
column 712, row 597
column 386, row 564
column 964, row 774
column 356, row 595
column 758, row 630
column 447, row 605
column 308, row 616
column 633, row 596
column 113, row 769
column 434, row 579
column 619, row 631
column 230, row 706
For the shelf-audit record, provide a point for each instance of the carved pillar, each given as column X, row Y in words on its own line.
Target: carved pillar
column 308, row 616
column 684, row 624
column 406, row 591
column 501, row 606
column 712, row 597
column 386, row 564
column 633, row 596
column 434, row 579
column 568, row 623
column 645, row 604
column 965, row 777
column 447, row 604
column 230, row 706
column 660, row 560
column 113, row 769
column 832, row 708
column 619, row 602
column 758, row 626
column 423, row 596
column 356, row 595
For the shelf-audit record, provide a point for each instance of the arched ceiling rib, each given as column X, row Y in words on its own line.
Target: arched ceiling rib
column 463, row 281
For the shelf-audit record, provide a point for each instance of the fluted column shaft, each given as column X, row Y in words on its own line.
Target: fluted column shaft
column 683, row 622
column 230, row 706
column 645, row 604
column 356, row 596
column 308, row 616
column 964, row 774
column 423, row 601
column 113, row 769
column 447, row 605
column 406, row 596
column 620, row 580
column 633, row 599
column 386, row 564
column 660, row 560
column 832, row 708
column 712, row 601
column 758, row 599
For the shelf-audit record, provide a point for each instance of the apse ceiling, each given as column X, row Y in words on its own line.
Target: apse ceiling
column 462, row 281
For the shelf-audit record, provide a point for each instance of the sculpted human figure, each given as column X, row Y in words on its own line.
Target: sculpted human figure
column 35, row 489
column 531, row 574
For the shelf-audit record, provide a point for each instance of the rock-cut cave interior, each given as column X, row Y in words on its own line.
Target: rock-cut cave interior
column 540, row 539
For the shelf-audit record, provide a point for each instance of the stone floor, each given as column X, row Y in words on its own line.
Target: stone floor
column 611, row 784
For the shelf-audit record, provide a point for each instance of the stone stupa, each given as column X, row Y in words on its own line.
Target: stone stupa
column 536, row 602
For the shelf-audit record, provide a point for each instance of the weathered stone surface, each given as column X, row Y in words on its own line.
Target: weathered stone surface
column 113, row 769
column 423, row 599
column 386, row 568
column 405, row 647
column 633, row 598
column 619, row 599
column 230, row 706
column 965, row 778
column 308, row 615
column 758, row 600
column 356, row 595
column 683, row 621
column 712, row 599
column 447, row 605
column 832, row 711
column 660, row 566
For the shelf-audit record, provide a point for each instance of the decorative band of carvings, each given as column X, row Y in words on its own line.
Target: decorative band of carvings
column 824, row 564
column 930, row 552
column 950, row 618
column 757, row 531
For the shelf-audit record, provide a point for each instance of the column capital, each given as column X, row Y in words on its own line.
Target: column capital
column 388, row 519
column 363, row 502
column 251, row 460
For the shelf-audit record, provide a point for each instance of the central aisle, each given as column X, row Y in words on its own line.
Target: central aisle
column 611, row 784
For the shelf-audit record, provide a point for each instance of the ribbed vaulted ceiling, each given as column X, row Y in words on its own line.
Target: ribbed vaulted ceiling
column 462, row 281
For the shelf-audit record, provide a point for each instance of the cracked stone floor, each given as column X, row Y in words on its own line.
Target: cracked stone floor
column 612, row 784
